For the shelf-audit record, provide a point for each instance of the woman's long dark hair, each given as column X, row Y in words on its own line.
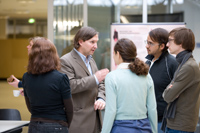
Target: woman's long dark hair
column 128, row 52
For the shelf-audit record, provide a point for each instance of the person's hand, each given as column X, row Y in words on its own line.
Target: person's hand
column 15, row 82
column 101, row 74
column 21, row 92
column 170, row 86
column 99, row 104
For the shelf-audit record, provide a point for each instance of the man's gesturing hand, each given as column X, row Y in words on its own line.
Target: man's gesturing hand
column 101, row 74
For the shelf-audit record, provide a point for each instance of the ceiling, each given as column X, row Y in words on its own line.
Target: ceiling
column 23, row 8
column 38, row 8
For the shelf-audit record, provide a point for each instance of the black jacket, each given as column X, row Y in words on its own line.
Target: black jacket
column 162, row 72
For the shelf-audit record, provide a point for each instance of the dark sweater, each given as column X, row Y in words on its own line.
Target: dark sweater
column 20, row 84
column 46, row 93
column 162, row 72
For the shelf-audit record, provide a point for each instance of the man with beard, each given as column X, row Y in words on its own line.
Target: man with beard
column 162, row 66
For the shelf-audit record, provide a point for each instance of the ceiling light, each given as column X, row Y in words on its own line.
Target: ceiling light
column 22, row 11
column 26, row 1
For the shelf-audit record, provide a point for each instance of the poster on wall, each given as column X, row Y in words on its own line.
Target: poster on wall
column 138, row 34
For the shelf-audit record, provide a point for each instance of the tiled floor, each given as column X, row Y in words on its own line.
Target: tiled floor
column 7, row 100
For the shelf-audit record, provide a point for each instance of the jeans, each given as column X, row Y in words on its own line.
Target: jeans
column 159, row 126
column 168, row 130
column 44, row 127
column 131, row 126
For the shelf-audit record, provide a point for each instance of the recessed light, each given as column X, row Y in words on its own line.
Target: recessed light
column 26, row 1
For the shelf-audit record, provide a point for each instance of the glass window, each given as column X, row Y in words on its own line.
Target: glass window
column 100, row 14
column 68, row 19
column 131, row 11
column 163, row 11
column 22, row 28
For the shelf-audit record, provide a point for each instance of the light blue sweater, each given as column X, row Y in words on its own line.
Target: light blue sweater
column 129, row 97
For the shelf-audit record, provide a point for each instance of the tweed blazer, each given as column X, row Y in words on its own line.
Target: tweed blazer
column 186, row 87
column 84, row 91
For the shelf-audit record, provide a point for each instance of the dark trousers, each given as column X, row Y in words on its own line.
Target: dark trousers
column 44, row 127
column 97, row 128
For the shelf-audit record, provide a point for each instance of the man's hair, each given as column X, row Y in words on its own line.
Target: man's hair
column 159, row 35
column 43, row 56
column 85, row 33
column 185, row 37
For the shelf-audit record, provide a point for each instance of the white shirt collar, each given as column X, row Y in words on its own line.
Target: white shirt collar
column 123, row 66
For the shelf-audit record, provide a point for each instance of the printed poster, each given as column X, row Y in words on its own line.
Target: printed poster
column 138, row 34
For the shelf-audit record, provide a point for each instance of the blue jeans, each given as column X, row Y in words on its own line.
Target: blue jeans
column 168, row 130
column 44, row 127
column 131, row 126
column 159, row 126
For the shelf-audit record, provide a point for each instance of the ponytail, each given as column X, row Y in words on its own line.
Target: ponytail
column 139, row 67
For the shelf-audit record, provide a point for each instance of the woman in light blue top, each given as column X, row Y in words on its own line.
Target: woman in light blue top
column 130, row 98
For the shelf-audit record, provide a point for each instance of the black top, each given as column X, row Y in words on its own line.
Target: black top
column 162, row 72
column 20, row 84
column 46, row 94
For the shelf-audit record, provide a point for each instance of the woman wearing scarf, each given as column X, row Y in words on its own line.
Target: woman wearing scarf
column 182, row 94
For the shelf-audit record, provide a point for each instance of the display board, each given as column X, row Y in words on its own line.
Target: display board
column 137, row 32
